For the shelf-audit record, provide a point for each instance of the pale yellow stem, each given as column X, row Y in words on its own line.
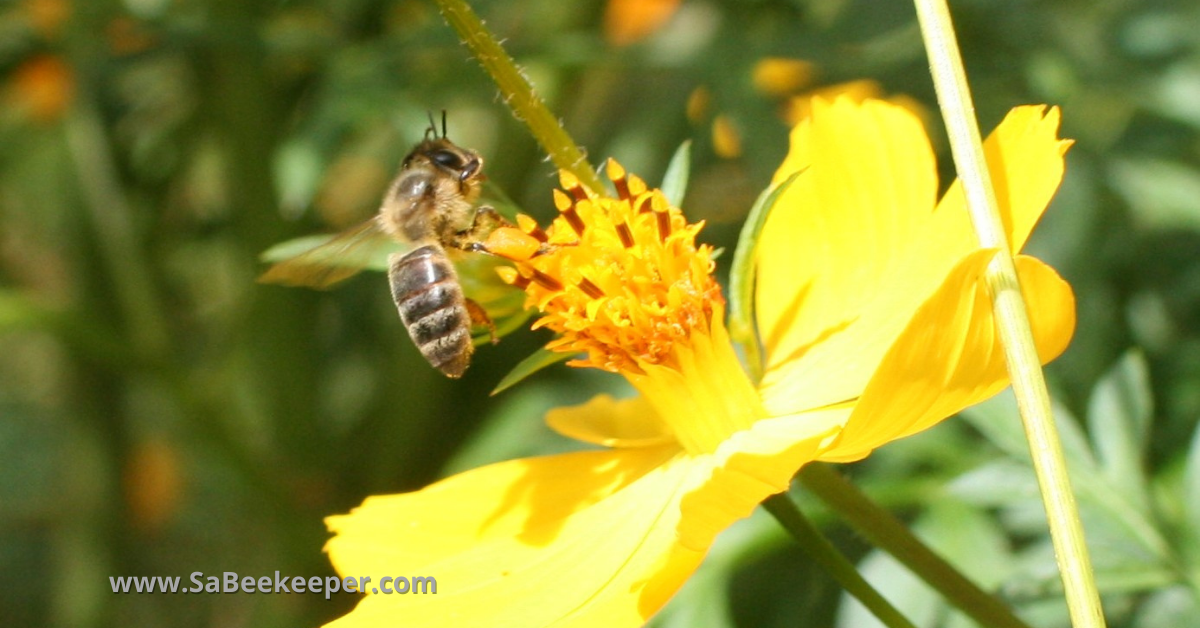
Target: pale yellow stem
column 1012, row 321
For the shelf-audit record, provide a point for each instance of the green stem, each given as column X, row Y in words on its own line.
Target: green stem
column 885, row 531
column 112, row 221
column 518, row 93
column 821, row 550
column 1012, row 322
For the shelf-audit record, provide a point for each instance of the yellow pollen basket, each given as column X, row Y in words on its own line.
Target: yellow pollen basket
column 620, row 279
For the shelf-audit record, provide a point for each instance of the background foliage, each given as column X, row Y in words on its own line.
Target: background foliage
column 161, row 413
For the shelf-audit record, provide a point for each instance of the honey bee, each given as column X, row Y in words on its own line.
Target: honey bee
column 431, row 206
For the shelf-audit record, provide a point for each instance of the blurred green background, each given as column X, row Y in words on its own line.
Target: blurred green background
column 161, row 413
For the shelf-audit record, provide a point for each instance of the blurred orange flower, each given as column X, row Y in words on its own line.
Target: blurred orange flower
column 42, row 87
column 629, row 21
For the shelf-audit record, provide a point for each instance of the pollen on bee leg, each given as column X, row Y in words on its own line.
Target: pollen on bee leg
column 616, row 173
column 511, row 243
column 566, row 207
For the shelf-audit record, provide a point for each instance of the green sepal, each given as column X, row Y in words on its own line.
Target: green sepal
column 741, row 275
column 675, row 180
column 535, row 362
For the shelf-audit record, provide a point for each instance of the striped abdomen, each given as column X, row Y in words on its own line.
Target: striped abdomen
column 430, row 301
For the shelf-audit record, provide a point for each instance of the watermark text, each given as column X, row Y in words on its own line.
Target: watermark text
column 231, row 582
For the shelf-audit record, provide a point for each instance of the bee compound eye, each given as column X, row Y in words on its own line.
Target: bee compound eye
column 447, row 159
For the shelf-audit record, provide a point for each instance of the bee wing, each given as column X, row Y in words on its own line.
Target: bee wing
column 321, row 261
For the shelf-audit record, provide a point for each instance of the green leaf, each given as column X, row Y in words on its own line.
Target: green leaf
column 298, row 167
column 995, row 484
column 675, row 180
column 967, row 537
column 1163, row 193
column 85, row 334
column 741, row 275
column 536, row 361
column 1123, row 516
column 1191, row 489
column 1173, row 606
column 1119, row 413
column 1000, row 422
column 18, row 311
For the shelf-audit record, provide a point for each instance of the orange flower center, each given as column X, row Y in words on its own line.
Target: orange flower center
column 620, row 279
column 623, row 282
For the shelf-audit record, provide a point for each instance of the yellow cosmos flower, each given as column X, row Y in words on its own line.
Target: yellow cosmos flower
column 874, row 322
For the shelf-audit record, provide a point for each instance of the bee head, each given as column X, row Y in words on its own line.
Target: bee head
column 436, row 150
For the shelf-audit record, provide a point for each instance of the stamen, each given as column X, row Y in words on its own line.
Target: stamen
column 571, row 184
column 625, row 234
column 591, row 289
column 617, row 174
column 636, row 185
column 546, row 281
column 508, row 274
column 661, row 212
column 567, row 208
column 530, row 226
column 642, row 203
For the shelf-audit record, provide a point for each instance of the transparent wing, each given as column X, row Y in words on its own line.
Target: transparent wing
column 323, row 260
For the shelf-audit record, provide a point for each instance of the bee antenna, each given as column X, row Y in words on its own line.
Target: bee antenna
column 443, row 123
column 432, row 127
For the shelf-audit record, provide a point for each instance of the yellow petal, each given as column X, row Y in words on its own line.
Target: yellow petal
column 1025, row 159
column 869, row 186
column 749, row 467
column 800, row 107
column 949, row 356
column 827, row 340
column 611, row 422
column 585, row 539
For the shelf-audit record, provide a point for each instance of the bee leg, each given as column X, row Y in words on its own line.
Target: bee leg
column 486, row 220
column 479, row 316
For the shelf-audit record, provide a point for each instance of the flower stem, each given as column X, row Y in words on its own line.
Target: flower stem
column 1024, row 367
column 115, row 231
column 821, row 550
column 883, row 530
column 518, row 93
